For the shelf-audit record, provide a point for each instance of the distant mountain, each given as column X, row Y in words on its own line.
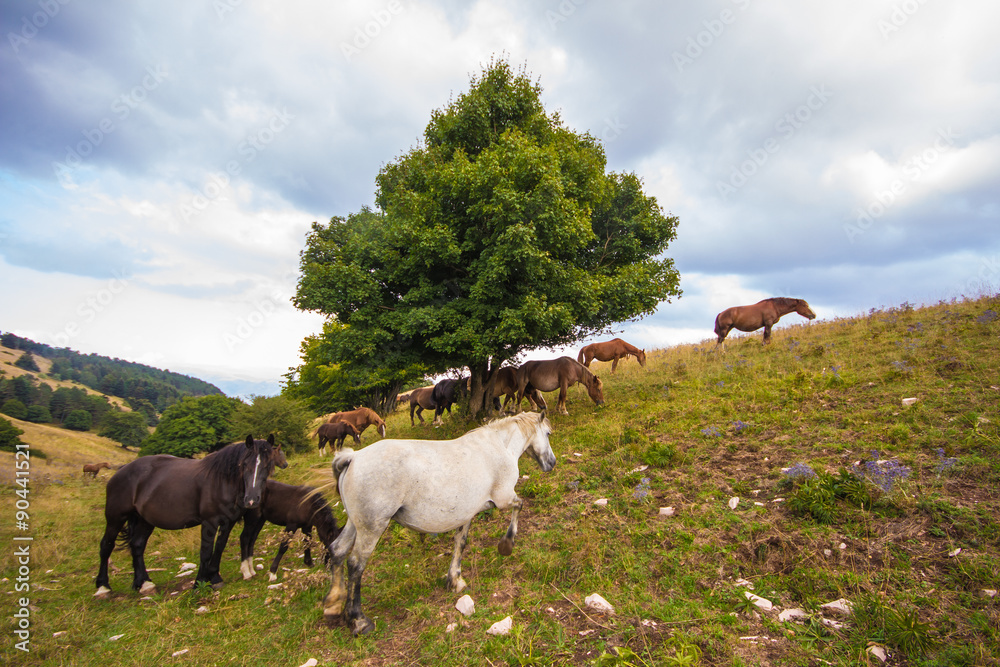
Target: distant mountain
column 131, row 381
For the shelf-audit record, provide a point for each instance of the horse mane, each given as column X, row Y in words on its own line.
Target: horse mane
column 525, row 421
column 784, row 301
column 224, row 464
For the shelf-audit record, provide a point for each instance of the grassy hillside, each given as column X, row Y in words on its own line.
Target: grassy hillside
column 9, row 370
column 909, row 536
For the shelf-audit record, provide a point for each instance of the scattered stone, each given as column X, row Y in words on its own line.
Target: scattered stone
column 878, row 652
column 639, row 469
column 177, row 653
column 827, row 553
column 830, row 623
column 584, row 633
column 115, row 638
column 733, row 502
column 501, row 628
column 744, row 582
column 311, row 662
column 187, row 566
column 758, row 503
column 601, row 501
column 990, row 592
column 909, row 401
column 465, row 605
column 667, row 511
column 276, row 586
column 201, row 610
column 778, row 500
column 952, row 554
column 451, row 627
column 842, row 546
column 840, row 607
column 792, row 615
column 755, row 492
column 186, row 573
column 598, row 603
column 759, row 602
column 59, row 634
column 649, row 623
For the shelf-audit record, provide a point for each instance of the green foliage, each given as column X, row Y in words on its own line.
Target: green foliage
column 15, row 408
column 9, row 436
column 128, row 428
column 194, row 425
column 501, row 233
column 78, row 420
column 27, row 362
column 905, row 631
column 286, row 418
column 660, row 454
column 39, row 414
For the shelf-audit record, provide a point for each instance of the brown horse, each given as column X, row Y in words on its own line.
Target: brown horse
column 161, row 491
column 360, row 418
column 295, row 508
column 761, row 314
column 93, row 468
column 612, row 351
column 420, row 400
column 506, row 385
column 335, row 433
column 561, row 373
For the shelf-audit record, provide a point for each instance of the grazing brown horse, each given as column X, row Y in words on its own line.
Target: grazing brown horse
column 612, row 351
column 361, row 418
column 171, row 493
column 561, row 373
column 761, row 314
column 92, row 468
column 335, row 433
column 295, row 508
column 506, row 385
column 420, row 400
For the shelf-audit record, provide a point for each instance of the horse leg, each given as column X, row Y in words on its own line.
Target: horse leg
column 282, row 548
column 506, row 546
column 206, row 573
column 563, row 390
column 333, row 603
column 220, row 545
column 111, row 530
column 614, row 364
column 307, row 558
column 253, row 522
column 767, row 333
column 356, row 562
column 455, row 580
column 139, row 532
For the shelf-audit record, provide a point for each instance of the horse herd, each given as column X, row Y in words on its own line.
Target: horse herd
column 431, row 486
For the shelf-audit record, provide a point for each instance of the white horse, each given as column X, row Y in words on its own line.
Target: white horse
column 431, row 486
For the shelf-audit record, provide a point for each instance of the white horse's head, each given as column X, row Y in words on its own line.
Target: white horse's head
column 536, row 428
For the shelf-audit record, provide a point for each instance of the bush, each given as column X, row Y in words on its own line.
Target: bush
column 39, row 414
column 27, row 362
column 194, row 425
column 15, row 408
column 78, row 420
column 127, row 428
column 9, row 436
column 285, row 417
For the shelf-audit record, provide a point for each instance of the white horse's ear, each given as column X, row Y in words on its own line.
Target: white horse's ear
column 541, row 417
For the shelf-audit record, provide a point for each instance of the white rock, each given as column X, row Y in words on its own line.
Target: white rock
column 744, row 582
column 186, row 573
column 465, row 605
column 639, row 469
column 59, row 634
column 177, row 653
column 827, row 553
column 311, row 662
column 841, row 606
column 830, row 623
column 842, row 546
column 451, row 627
column 501, row 627
column 187, row 566
column 667, row 511
column 276, row 586
column 201, row 610
column 733, row 502
column 990, row 592
column 952, row 554
column 115, row 638
column 878, row 652
column 584, row 633
column 601, row 501
column 909, row 401
column 649, row 623
column 792, row 614
column 759, row 602
column 598, row 603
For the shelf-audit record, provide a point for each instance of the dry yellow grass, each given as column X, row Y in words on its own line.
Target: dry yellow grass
column 65, row 452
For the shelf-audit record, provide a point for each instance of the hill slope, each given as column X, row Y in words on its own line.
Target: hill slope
column 909, row 536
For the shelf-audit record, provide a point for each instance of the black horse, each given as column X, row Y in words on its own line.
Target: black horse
column 167, row 492
column 445, row 393
column 295, row 508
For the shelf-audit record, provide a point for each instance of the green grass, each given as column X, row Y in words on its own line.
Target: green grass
column 708, row 427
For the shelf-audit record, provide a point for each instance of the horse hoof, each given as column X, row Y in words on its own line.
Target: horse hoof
column 147, row 587
column 246, row 567
column 103, row 593
column 271, row 576
column 460, row 585
column 362, row 626
column 506, row 547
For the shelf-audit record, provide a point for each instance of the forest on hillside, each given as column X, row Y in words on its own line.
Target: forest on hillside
column 145, row 389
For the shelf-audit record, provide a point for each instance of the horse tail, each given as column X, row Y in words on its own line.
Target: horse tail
column 341, row 460
column 124, row 536
column 718, row 324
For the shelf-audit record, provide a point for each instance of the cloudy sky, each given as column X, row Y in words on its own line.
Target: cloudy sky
column 160, row 163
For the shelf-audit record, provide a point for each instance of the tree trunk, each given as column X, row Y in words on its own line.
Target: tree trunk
column 483, row 377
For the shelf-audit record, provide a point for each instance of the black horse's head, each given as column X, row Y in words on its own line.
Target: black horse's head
column 256, row 465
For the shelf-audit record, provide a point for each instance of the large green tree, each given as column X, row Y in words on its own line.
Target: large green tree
column 286, row 418
column 502, row 232
column 194, row 425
